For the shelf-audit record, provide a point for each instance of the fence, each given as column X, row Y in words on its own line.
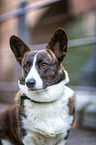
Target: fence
column 23, row 33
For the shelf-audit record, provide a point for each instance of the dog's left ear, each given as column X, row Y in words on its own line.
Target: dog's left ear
column 18, row 47
column 58, row 44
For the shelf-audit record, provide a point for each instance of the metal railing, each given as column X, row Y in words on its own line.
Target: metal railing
column 26, row 9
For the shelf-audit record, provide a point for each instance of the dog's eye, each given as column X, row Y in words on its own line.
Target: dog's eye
column 44, row 65
column 26, row 67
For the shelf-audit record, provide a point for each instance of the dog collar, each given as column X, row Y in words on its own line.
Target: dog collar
column 27, row 98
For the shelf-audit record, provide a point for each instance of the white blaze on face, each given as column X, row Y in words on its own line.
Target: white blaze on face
column 33, row 74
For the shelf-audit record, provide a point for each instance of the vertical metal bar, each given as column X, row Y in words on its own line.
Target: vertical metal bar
column 22, row 23
column 22, row 33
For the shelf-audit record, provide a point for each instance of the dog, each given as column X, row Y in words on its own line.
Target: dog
column 45, row 110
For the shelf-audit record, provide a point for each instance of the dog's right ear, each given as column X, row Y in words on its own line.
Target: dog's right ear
column 18, row 47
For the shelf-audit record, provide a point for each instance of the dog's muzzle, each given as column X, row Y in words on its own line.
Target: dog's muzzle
column 31, row 83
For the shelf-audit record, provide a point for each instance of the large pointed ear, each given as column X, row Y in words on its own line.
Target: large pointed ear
column 18, row 47
column 58, row 44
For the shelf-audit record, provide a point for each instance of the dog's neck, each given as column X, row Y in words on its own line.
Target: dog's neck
column 51, row 93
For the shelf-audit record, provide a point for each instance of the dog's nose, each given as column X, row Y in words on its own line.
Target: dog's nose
column 30, row 83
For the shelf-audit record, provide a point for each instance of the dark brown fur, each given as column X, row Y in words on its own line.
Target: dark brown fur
column 56, row 42
column 9, row 125
column 71, row 106
column 15, row 43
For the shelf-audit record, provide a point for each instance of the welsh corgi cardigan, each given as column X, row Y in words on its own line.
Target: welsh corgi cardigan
column 45, row 110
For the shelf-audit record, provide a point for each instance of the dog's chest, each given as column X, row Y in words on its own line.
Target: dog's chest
column 49, row 119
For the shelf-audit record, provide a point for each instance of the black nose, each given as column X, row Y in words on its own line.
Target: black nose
column 30, row 83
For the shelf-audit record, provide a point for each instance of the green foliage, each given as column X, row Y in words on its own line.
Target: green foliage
column 78, row 56
column 75, row 61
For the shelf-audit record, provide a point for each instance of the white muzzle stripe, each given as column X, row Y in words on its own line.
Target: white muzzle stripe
column 33, row 74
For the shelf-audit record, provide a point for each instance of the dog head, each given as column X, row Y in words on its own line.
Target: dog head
column 41, row 69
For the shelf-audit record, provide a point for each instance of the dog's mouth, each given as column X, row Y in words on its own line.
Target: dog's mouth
column 36, row 90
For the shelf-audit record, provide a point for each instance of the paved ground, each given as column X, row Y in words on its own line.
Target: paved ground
column 82, row 137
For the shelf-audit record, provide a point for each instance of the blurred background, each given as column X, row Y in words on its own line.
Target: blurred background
column 34, row 21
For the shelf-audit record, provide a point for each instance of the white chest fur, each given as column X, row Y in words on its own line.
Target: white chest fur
column 48, row 119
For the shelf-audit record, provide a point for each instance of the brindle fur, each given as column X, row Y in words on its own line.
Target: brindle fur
column 9, row 125
column 10, row 120
column 71, row 106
